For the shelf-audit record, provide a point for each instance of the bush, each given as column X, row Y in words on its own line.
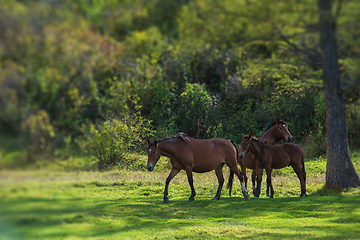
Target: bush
column 40, row 135
column 111, row 142
column 193, row 110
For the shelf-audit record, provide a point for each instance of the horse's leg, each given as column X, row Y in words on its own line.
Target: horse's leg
column 172, row 174
column 258, row 182
column 243, row 170
column 301, row 174
column 236, row 170
column 230, row 182
column 268, row 181
column 191, row 183
column 253, row 179
column 220, row 177
column 268, row 186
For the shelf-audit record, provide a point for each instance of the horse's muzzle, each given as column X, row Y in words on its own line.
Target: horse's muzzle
column 289, row 139
column 150, row 167
column 242, row 155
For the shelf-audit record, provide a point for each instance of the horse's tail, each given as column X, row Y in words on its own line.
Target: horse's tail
column 237, row 151
column 231, row 175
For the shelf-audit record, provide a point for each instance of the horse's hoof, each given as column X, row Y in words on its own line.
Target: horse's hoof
column 271, row 197
column 191, row 199
column 247, row 197
column 166, row 200
column 304, row 195
column 215, row 198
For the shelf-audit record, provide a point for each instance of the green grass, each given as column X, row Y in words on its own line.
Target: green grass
column 47, row 204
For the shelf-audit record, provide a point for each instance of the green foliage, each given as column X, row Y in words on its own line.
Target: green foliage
column 156, row 103
column 353, row 126
column 259, row 93
column 194, row 107
column 119, row 18
column 111, row 142
column 40, row 134
column 148, row 42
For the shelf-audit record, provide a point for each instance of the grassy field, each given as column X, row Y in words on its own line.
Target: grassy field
column 48, row 204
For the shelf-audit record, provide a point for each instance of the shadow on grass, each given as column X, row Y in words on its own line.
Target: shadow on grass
column 101, row 217
column 328, row 191
column 98, row 209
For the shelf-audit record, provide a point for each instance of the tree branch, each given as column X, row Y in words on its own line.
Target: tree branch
column 349, row 87
column 338, row 9
column 308, row 52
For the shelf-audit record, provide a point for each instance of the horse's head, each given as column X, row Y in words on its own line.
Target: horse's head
column 245, row 145
column 153, row 153
column 283, row 131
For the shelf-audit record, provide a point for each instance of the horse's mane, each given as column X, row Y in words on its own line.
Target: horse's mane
column 274, row 123
column 253, row 139
column 248, row 137
column 179, row 135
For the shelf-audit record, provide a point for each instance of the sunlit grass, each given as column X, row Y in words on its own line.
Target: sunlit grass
column 120, row 204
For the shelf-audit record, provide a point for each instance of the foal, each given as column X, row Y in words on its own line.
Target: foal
column 275, row 133
column 270, row 157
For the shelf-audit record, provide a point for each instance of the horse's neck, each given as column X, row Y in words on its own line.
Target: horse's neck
column 167, row 147
column 256, row 148
column 270, row 136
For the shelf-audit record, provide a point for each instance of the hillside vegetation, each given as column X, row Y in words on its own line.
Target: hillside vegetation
column 104, row 76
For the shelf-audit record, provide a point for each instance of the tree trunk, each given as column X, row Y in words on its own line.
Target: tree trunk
column 340, row 170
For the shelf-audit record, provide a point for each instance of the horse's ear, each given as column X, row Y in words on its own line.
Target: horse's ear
column 278, row 121
column 243, row 136
column 148, row 142
column 152, row 143
column 250, row 136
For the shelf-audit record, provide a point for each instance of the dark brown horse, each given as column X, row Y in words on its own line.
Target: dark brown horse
column 275, row 133
column 270, row 157
column 194, row 155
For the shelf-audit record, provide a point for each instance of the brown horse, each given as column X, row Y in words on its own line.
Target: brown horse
column 273, row 134
column 194, row 155
column 270, row 157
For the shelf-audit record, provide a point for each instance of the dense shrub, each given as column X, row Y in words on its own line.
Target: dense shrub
column 111, row 142
column 39, row 135
column 193, row 110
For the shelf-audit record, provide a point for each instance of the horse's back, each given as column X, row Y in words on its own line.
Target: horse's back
column 295, row 152
column 293, row 149
column 212, row 144
column 290, row 148
column 278, row 156
column 207, row 154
